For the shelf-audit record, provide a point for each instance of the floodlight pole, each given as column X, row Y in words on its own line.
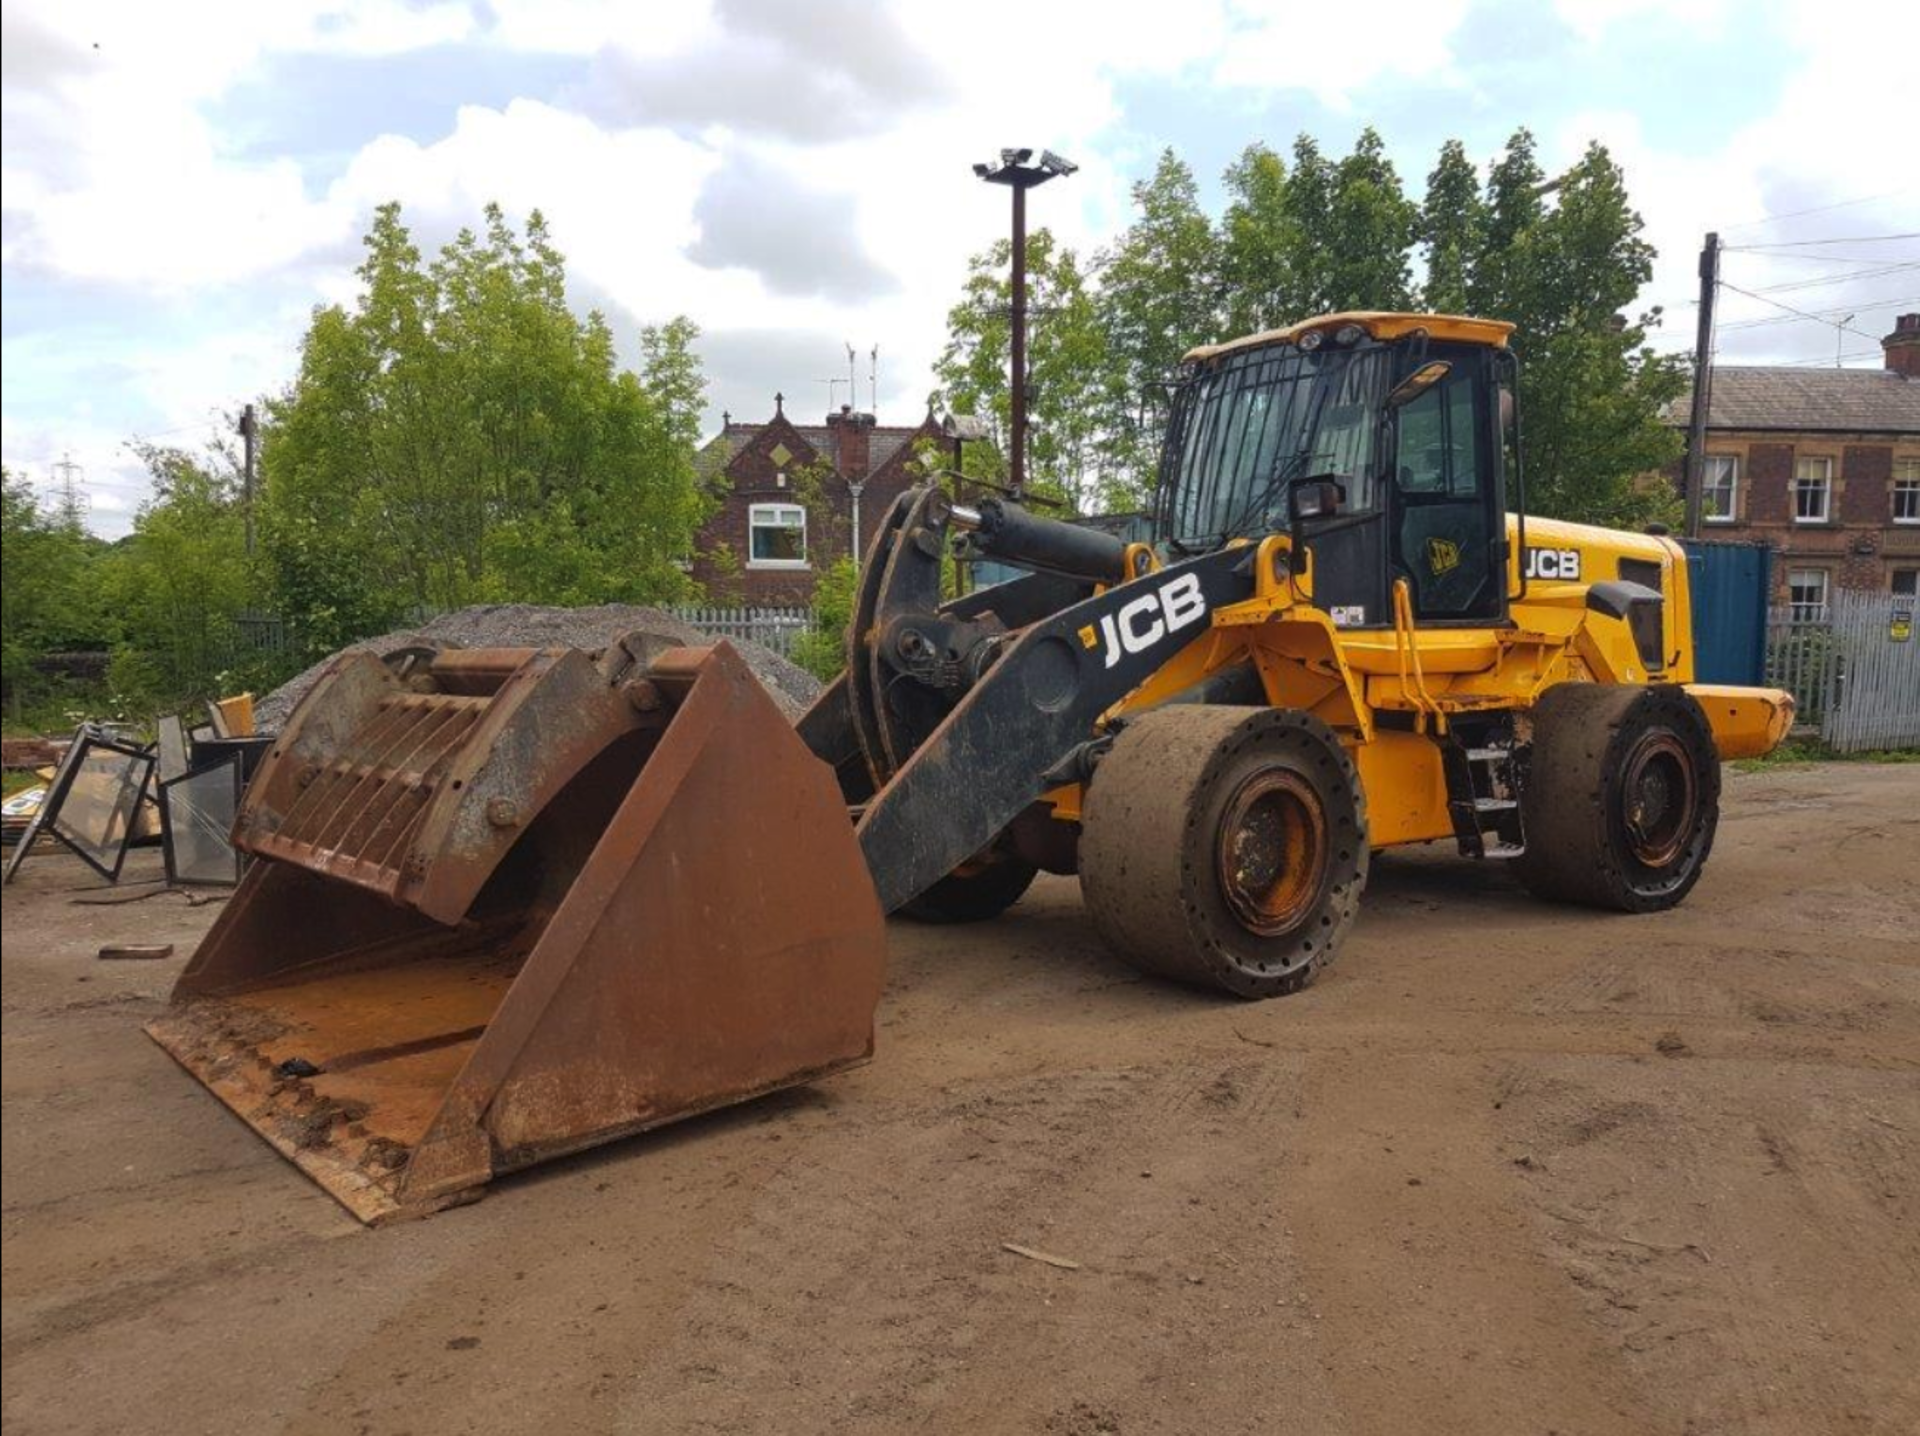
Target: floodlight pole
column 1017, row 174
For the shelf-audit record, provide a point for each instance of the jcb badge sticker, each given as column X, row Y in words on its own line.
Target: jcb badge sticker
column 1443, row 556
column 1151, row 617
column 1553, row 563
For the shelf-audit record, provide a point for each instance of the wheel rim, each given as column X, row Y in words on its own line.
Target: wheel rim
column 1273, row 851
column 1660, row 797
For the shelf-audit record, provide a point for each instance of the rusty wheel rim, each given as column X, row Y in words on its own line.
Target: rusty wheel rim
column 1272, row 851
column 1661, row 797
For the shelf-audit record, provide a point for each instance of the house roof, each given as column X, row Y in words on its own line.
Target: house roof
column 884, row 441
column 1757, row 397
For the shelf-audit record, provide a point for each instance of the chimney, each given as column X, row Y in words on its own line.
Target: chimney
column 1903, row 346
column 852, row 443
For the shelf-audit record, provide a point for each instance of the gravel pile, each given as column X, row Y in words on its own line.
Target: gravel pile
column 525, row 625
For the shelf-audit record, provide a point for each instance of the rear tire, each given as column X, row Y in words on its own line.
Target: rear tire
column 981, row 890
column 1225, row 847
column 1622, row 796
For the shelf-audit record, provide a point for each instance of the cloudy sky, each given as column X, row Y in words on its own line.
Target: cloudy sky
column 183, row 183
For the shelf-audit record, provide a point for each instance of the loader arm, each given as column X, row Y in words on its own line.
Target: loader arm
column 968, row 712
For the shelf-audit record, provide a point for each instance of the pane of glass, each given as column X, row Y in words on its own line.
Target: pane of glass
column 778, row 543
column 1423, row 453
column 200, row 812
column 173, row 747
column 96, row 815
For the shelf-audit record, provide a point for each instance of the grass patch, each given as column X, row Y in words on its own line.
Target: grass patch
column 1800, row 751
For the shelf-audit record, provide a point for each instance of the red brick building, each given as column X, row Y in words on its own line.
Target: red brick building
column 1823, row 465
column 759, row 472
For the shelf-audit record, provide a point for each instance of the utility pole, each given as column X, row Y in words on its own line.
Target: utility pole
column 1017, row 174
column 70, row 482
column 250, row 441
column 1696, row 468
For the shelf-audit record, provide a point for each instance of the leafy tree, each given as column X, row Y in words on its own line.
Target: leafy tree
column 180, row 580
column 1159, row 297
column 1593, row 394
column 460, row 434
column 48, row 602
column 1370, row 229
column 822, row 648
column 1067, row 364
column 1453, row 226
column 1262, row 248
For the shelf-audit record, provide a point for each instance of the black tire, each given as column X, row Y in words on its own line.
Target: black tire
column 1622, row 796
column 1225, row 847
column 983, row 889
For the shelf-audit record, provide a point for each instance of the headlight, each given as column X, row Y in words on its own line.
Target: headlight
column 1312, row 340
column 1347, row 335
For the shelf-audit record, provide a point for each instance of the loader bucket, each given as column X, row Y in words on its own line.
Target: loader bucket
column 522, row 902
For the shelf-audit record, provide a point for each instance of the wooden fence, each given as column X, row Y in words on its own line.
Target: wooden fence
column 1853, row 668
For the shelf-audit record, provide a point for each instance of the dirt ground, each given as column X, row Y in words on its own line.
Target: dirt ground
column 1507, row 1168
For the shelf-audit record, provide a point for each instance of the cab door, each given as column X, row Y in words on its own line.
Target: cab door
column 1445, row 513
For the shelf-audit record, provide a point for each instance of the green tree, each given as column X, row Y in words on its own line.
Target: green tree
column 48, row 601
column 1370, row 229
column 1593, row 393
column 459, row 434
column 1453, row 230
column 1159, row 291
column 1067, row 366
column 178, row 583
column 1262, row 248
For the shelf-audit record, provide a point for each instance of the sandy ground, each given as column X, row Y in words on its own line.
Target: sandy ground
column 1506, row 1169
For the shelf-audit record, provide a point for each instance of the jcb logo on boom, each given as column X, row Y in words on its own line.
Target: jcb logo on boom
column 1553, row 563
column 1151, row 617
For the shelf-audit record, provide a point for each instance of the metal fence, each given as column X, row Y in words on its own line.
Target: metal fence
column 1853, row 667
column 775, row 628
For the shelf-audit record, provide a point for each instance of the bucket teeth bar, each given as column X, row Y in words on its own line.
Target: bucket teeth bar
column 524, row 903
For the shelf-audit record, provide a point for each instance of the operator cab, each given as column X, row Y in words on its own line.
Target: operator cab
column 1377, row 440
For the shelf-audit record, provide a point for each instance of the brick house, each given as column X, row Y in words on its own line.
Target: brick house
column 777, row 544
column 1823, row 466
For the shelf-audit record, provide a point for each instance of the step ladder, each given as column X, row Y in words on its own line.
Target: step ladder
column 1484, row 780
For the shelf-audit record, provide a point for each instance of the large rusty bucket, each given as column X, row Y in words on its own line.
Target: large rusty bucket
column 520, row 902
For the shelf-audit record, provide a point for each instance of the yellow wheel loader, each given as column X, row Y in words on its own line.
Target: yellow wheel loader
column 507, row 904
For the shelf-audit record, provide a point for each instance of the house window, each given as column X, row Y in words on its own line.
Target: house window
column 1812, row 491
column 777, row 535
column 1906, row 492
column 1807, row 594
column 1719, row 485
column 1906, row 582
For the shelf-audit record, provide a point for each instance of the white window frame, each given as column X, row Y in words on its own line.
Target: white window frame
column 1804, row 476
column 1803, row 611
column 777, row 516
column 1716, row 467
column 1906, row 484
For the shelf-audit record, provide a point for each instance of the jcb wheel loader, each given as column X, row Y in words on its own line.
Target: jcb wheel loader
column 511, row 903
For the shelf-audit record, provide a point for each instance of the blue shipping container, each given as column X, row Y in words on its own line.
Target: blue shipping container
column 1732, row 585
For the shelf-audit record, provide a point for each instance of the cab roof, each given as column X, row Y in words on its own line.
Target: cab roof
column 1379, row 324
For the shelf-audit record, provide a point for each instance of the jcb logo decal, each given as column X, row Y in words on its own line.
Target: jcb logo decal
column 1443, row 556
column 1153, row 616
column 1553, row 563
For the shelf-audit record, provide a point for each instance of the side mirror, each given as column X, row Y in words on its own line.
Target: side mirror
column 1417, row 383
column 1315, row 499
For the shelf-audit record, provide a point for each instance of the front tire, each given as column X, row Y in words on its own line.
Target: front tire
column 1225, row 847
column 1622, row 797
column 976, row 892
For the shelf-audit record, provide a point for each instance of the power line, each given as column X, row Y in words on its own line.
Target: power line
column 1823, row 314
column 1800, row 312
column 1788, row 286
column 1814, row 243
column 1826, row 362
column 1816, row 209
